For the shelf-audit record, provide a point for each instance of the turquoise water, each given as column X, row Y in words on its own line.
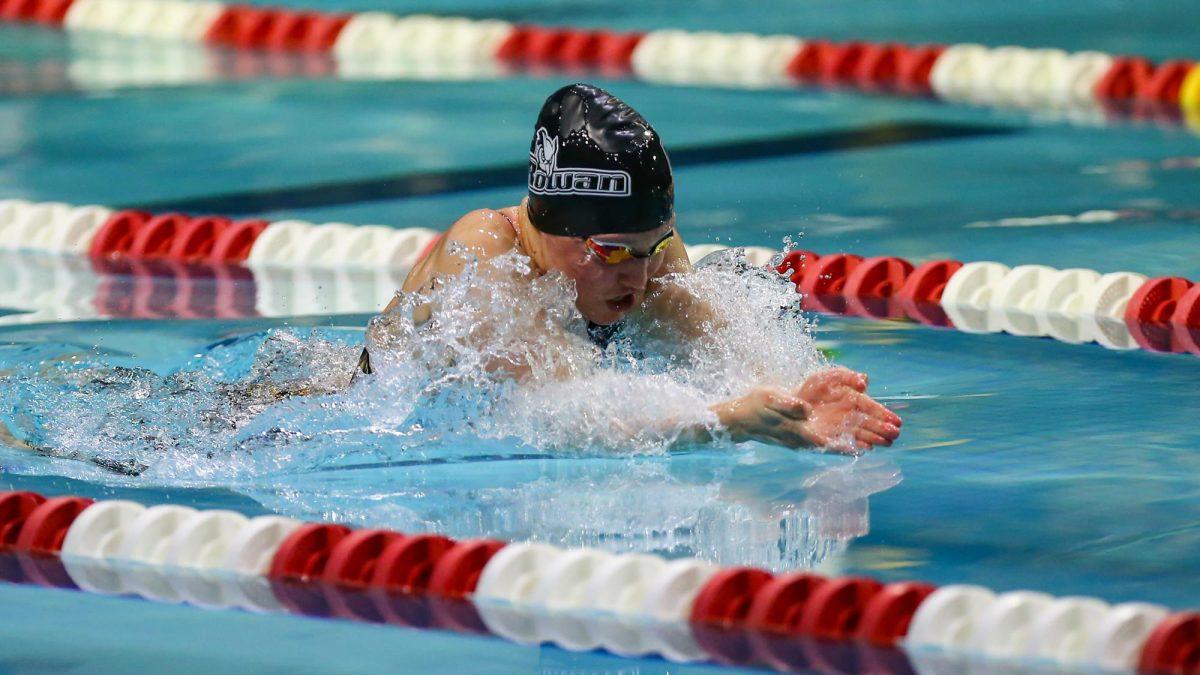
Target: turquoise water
column 1023, row 464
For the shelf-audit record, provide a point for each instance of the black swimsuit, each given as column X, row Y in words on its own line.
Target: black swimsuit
column 602, row 336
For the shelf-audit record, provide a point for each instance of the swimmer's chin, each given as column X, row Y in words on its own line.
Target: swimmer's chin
column 611, row 310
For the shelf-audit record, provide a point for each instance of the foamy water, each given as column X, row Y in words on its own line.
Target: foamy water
column 441, row 438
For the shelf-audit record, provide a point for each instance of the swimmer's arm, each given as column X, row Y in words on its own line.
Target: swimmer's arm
column 481, row 234
column 831, row 410
column 670, row 308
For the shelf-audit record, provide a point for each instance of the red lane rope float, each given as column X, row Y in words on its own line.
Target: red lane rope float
column 831, row 617
column 870, row 287
column 1149, row 312
column 921, row 293
column 353, row 558
column 401, row 578
column 914, row 67
column 303, row 31
column 568, row 48
column 46, row 526
column 614, row 54
column 454, row 577
column 241, row 26
column 116, row 235
column 808, row 63
column 1173, row 647
column 15, row 508
column 154, row 237
column 323, row 32
column 305, row 553
column 195, row 240
column 349, row 571
column 795, row 263
column 18, row 10
column 887, row 614
column 719, row 612
column 52, row 12
column 457, row 572
column 834, row 609
column 841, row 63
column 515, row 45
column 725, row 600
column 1124, row 79
column 1185, row 321
column 824, row 280
column 581, row 49
column 839, row 625
column 301, row 558
column 774, row 620
column 33, row 529
column 878, row 67
column 234, row 242
column 1164, row 83
column 827, row 275
column 778, row 606
column 286, row 30
column 407, row 564
column 544, row 47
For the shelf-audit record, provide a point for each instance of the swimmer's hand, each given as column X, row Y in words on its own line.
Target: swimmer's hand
column 831, row 409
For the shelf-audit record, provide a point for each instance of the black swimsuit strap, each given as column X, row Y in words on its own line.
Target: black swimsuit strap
column 602, row 336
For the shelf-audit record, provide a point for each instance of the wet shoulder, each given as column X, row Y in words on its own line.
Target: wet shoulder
column 489, row 231
column 480, row 234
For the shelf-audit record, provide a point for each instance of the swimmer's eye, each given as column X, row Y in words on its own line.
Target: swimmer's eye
column 612, row 254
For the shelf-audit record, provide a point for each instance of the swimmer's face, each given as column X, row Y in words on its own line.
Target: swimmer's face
column 606, row 292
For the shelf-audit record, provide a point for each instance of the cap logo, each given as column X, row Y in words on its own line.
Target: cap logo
column 546, row 177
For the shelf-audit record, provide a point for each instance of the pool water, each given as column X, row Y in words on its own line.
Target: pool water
column 1024, row 464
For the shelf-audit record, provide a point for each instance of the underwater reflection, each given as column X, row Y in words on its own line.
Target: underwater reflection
column 761, row 507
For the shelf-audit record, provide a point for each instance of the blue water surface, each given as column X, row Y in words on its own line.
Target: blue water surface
column 1024, row 463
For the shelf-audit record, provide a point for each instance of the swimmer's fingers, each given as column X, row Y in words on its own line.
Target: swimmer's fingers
column 874, row 408
column 860, row 440
column 884, row 430
column 839, row 376
column 789, row 407
column 794, row 434
column 865, row 440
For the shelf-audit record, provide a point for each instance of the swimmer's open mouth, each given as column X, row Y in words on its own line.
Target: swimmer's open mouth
column 621, row 304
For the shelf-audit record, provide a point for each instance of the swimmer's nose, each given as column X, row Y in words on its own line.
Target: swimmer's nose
column 635, row 273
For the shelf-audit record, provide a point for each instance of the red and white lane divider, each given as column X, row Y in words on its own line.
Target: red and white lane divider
column 376, row 44
column 579, row 599
column 52, row 288
column 105, row 234
column 1119, row 310
column 293, row 260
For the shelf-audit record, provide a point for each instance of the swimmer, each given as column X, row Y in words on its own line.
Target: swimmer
column 600, row 210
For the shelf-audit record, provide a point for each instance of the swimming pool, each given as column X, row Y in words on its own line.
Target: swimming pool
column 1024, row 463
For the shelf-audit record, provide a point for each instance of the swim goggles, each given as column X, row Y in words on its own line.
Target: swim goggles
column 612, row 254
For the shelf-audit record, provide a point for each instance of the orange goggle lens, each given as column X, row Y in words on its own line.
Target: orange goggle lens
column 616, row 253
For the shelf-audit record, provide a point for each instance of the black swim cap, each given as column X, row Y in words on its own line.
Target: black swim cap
column 596, row 167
